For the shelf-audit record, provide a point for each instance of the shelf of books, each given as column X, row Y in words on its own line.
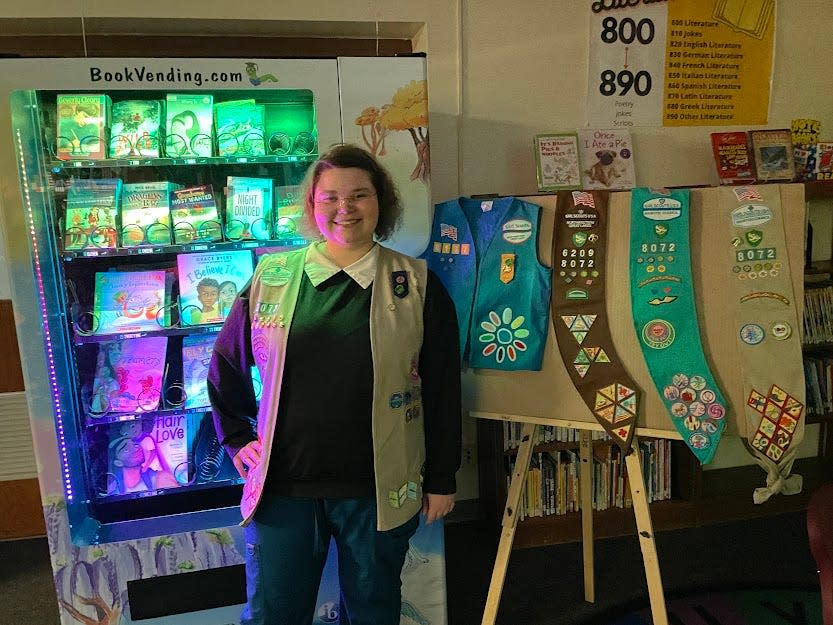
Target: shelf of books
column 680, row 492
column 550, row 508
column 154, row 211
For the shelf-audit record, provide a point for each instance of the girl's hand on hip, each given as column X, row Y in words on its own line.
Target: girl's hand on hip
column 247, row 457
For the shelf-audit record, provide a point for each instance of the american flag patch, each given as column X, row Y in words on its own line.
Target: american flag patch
column 448, row 231
column 747, row 194
column 583, row 198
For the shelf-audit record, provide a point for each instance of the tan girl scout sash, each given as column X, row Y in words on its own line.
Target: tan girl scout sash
column 665, row 318
column 766, row 326
column 579, row 315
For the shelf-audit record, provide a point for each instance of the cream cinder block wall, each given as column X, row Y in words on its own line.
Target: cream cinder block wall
column 499, row 75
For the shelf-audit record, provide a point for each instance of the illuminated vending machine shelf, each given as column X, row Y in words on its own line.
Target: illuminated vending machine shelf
column 141, row 214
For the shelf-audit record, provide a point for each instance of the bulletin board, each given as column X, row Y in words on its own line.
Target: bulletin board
column 550, row 393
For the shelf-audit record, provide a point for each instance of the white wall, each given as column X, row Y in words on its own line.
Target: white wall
column 498, row 75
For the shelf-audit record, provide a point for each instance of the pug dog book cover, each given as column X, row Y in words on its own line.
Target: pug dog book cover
column 606, row 156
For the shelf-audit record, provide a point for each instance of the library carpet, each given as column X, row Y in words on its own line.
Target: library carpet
column 544, row 585
column 760, row 606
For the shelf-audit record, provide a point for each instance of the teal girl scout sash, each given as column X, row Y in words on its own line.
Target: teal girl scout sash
column 665, row 318
column 579, row 315
column 762, row 307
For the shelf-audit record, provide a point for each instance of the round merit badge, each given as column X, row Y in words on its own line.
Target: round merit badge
column 752, row 334
column 658, row 334
column 781, row 330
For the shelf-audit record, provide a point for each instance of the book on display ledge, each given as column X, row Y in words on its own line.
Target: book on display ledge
column 773, row 154
column 606, row 157
column 557, row 162
column 732, row 157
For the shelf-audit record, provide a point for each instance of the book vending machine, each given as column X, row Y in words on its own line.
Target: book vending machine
column 148, row 190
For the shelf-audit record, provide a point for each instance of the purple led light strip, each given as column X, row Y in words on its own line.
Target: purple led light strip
column 59, row 420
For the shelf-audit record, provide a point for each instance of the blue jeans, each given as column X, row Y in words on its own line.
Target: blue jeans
column 286, row 549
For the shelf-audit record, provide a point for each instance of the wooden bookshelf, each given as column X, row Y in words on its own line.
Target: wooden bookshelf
column 698, row 497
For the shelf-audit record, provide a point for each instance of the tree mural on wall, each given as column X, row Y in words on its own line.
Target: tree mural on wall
column 408, row 110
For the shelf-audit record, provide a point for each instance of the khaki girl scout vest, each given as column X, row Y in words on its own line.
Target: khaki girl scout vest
column 396, row 328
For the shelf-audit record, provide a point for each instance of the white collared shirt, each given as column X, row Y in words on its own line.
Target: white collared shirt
column 320, row 267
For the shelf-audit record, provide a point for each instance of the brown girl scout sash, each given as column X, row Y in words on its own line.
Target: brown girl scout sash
column 579, row 315
column 762, row 306
column 665, row 318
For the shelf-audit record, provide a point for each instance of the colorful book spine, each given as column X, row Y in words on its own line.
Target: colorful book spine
column 248, row 208
column 82, row 125
column 135, row 129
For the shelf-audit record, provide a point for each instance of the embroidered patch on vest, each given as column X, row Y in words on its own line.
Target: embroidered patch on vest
column 399, row 282
column 275, row 276
column 507, row 268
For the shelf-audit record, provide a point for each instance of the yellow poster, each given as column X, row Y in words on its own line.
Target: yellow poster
column 718, row 62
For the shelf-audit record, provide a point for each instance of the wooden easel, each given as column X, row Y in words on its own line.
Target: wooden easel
column 640, row 509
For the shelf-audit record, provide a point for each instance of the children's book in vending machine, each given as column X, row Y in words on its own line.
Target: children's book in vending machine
column 189, row 125
column 83, row 120
column 239, row 125
column 129, row 301
column 289, row 214
column 145, row 454
column 209, row 283
column 92, row 213
column 194, row 215
column 196, row 355
column 135, row 129
column 146, row 213
column 248, row 208
column 128, row 376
